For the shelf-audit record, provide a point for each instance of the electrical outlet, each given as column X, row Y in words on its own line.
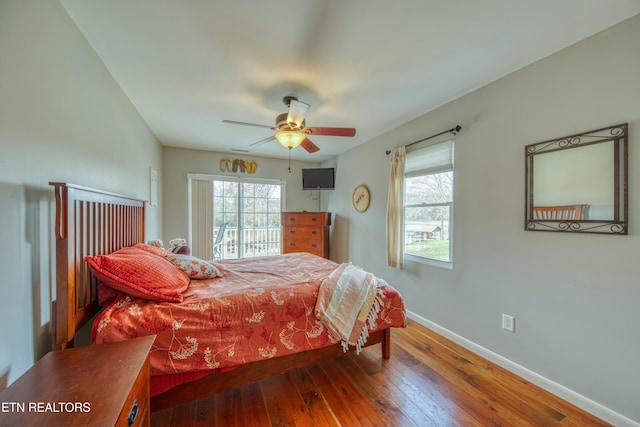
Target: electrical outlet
column 508, row 323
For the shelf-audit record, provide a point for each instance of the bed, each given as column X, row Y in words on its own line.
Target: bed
column 92, row 224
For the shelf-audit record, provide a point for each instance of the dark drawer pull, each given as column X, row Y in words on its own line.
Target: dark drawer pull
column 313, row 245
column 133, row 413
column 313, row 219
column 292, row 231
column 314, row 232
column 292, row 244
column 292, row 218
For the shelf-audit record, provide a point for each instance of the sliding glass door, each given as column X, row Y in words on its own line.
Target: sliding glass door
column 251, row 212
column 241, row 216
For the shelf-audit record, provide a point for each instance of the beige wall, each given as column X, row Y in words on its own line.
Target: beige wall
column 574, row 296
column 62, row 118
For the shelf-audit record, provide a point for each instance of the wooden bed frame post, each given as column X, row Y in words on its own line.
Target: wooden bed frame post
column 386, row 344
column 62, row 333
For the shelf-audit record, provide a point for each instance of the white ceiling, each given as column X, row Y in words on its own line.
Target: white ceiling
column 370, row 64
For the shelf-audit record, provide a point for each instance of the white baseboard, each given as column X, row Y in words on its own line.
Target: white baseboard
column 559, row 390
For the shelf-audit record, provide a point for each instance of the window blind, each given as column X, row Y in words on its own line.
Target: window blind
column 432, row 159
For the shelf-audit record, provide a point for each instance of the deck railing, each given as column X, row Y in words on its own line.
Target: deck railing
column 255, row 242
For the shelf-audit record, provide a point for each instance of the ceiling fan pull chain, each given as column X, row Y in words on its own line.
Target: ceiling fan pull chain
column 289, row 159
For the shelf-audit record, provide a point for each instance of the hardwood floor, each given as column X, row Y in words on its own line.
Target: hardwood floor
column 429, row 381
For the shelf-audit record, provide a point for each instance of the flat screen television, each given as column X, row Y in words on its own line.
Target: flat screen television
column 318, row 179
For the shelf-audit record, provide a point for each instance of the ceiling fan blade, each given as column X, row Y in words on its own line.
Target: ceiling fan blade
column 233, row 122
column 309, row 146
column 263, row 141
column 297, row 111
column 330, row 131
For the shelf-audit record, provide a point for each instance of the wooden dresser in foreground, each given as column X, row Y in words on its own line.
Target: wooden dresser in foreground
column 306, row 232
column 96, row 385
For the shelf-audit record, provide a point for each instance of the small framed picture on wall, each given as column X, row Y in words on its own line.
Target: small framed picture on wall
column 153, row 187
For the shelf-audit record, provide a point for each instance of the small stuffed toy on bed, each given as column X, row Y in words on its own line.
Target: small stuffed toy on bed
column 179, row 246
column 176, row 246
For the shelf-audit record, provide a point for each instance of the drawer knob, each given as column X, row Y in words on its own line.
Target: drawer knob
column 314, row 232
column 292, row 231
column 313, row 219
column 133, row 413
column 313, row 245
column 292, row 244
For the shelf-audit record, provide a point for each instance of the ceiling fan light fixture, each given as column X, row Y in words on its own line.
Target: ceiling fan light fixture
column 290, row 138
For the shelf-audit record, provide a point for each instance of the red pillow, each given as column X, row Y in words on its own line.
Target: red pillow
column 106, row 294
column 140, row 273
column 156, row 250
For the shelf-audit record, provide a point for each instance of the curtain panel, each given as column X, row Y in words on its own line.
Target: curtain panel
column 395, row 210
column 201, row 230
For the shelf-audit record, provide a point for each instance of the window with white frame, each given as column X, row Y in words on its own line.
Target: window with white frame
column 428, row 203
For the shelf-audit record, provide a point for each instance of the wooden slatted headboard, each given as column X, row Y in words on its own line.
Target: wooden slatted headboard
column 88, row 222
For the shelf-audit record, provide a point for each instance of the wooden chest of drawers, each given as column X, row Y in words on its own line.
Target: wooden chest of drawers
column 96, row 385
column 306, row 232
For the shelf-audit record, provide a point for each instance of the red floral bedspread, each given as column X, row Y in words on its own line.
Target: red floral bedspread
column 261, row 308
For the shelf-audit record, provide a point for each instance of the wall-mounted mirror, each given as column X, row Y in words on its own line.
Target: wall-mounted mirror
column 578, row 183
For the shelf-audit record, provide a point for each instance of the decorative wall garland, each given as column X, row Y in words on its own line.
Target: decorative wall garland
column 235, row 165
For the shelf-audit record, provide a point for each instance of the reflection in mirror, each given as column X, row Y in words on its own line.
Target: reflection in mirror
column 578, row 183
column 583, row 176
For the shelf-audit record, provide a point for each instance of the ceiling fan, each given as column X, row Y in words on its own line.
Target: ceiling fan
column 291, row 129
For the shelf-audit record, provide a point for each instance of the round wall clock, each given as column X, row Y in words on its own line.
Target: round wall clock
column 361, row 198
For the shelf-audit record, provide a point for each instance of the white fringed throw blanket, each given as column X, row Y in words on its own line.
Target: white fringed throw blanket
column 349, row 301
